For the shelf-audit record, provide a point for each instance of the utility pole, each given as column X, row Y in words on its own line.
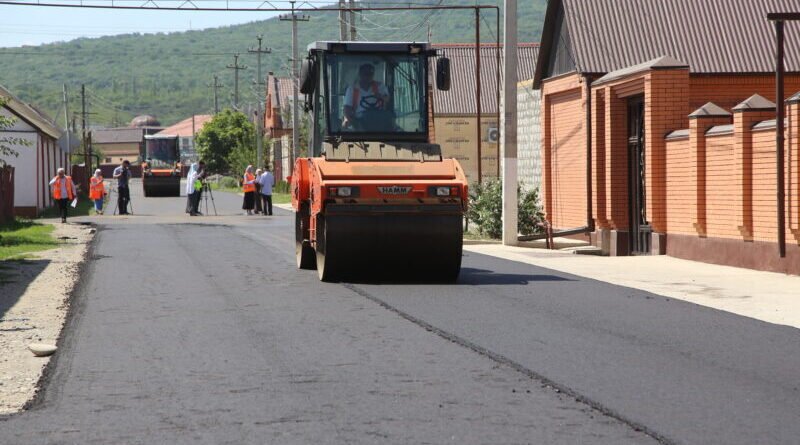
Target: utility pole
column 215, row 86
column 259, row 81
column 295, row 81
column 258, row 52
column 86, row 159
column 353, row 33
column 66, row 119
column 342, row 21
column 236, row 68
column 509, row 124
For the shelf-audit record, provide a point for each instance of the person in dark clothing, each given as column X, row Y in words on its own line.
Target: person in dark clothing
column 265, row 182
column 123, row 175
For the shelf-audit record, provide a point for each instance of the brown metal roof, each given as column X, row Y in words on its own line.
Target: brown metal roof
column 461, row 98
column 712, row 36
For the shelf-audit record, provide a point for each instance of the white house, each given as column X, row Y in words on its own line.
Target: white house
column 38, row 161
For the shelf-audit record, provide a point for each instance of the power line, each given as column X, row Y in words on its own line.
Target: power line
column 236, row 68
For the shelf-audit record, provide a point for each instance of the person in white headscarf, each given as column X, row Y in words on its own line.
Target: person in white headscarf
column 190, row 189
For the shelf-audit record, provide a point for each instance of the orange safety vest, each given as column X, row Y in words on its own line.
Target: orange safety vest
column 57, row 188
column 249, row 187
column 357, row 92
column 96, row 189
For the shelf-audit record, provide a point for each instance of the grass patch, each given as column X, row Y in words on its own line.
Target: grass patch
column 281, row 198
column 222, row 188
column 85, row 207
column 20, row 238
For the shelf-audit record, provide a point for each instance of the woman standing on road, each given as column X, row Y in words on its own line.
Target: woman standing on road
column 249, row 189
column 63, row 190
column 97, row 191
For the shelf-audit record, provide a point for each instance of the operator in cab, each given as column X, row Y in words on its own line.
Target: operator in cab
column 366, row 103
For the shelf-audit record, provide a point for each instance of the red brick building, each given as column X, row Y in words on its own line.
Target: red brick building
column 658, row 128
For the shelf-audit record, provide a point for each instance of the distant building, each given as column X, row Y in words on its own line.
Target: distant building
column 124, row 143
column 38, row 161
column 455, row 111
column 186, row 131
column 278, row 122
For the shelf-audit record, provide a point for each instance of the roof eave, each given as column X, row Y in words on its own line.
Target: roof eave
column 546, row 41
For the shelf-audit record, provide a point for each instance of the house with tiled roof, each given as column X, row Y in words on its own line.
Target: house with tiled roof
column 658, row 129
column 38, row 158
column 186, row 130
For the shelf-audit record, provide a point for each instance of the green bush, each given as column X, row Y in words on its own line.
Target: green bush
column 227, row 182
column 486, row 208
column 281, row 187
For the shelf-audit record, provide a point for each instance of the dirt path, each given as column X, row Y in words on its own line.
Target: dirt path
column 34, row 297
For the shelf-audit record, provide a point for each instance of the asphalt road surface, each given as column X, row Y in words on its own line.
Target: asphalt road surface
column 200, row 330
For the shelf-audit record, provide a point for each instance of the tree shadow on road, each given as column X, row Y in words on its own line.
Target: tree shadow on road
column 15, row 277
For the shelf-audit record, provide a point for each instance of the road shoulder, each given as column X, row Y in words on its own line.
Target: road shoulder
column 37, row 300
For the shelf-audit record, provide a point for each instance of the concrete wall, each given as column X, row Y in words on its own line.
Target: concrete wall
column 529, row 136
column 458, row 138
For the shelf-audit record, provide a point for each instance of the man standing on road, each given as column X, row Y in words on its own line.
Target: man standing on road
column 123, row 175
column 63, row 192
column 266, row 181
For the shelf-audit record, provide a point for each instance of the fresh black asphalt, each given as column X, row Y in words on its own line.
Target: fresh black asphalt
column 201, row 330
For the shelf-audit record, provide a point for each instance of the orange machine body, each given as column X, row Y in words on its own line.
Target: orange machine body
column 407, row 186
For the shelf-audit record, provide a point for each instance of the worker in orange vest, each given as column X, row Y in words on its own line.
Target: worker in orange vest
column 249, row 189
column 97, row 191
column 63, row 190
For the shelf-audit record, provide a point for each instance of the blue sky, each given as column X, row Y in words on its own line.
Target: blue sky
column 26, row 25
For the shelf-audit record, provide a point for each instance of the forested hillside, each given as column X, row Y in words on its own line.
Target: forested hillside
column 167, row 75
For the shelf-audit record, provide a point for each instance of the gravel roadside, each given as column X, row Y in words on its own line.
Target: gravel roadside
column 34, row 301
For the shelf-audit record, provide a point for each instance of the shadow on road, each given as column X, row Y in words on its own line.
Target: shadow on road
column 15, row 276
column 471, row 275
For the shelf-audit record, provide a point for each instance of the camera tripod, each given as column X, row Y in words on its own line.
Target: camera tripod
column 206, row 193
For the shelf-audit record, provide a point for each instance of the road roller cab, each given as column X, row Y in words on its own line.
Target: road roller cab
column 161, row 168
column 375, row 197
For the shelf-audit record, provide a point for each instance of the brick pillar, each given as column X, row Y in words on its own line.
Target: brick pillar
column 700, row 121
column 793, row 168
column 616, row 171
column 666, row 103
column 600, row 238
column 753, row 110
column 547, row 158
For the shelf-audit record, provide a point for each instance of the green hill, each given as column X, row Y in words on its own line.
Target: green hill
column 166, row 75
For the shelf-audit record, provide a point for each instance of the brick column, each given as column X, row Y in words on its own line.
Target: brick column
column 753, row 110
column 793, row 168
column 616, row 171
column 599, row 192
column 666, row 103
column 700, row 121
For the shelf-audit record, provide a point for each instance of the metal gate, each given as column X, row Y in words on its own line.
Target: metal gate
column 640, row 231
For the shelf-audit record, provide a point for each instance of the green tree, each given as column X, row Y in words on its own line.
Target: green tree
column 6, row 151
column 228, row 137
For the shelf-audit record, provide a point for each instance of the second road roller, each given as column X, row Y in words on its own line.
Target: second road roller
column 374, row 198
column 161, row 168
